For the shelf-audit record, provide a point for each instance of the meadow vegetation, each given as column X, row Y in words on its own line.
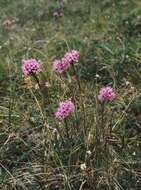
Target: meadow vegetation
column 59, row 128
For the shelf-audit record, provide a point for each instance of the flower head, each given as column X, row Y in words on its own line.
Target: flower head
column 57, row 14
column 60, row 66
column 30, row 66
column 106, row 94
column 72, row 56
column 83, row 166
column 64, row 109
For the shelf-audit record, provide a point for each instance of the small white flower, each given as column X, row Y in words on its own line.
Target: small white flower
column 83, row 166
column 47, row 84
column 89, row 152
column 97, row 76
column 127, row 83
column 36, row 86
column 126, row 22
column 134, row 153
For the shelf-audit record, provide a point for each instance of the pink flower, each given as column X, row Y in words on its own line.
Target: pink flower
column 64, row 109
column 60, row 66
column 57, row 14
column 72, row 56
column 106, row 94
column 30, row 66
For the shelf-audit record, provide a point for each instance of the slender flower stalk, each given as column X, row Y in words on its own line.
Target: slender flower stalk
column 77, row 78
column 81, row 97
column 102, row 121
column 66, row 127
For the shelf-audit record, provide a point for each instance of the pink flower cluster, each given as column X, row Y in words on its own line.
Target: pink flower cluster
column 72, row 56
column 106, row 94
column 64, row 109
column 61, row 65
column 57, row 14
column 31, row 66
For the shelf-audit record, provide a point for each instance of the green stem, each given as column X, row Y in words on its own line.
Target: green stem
column 67, row 128
column 102, row 120
column 81, row 98
column 77, row 78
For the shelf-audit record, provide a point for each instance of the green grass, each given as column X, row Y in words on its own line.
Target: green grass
column 107, row 33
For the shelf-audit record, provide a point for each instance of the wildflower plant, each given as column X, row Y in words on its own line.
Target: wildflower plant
column 66, row 127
